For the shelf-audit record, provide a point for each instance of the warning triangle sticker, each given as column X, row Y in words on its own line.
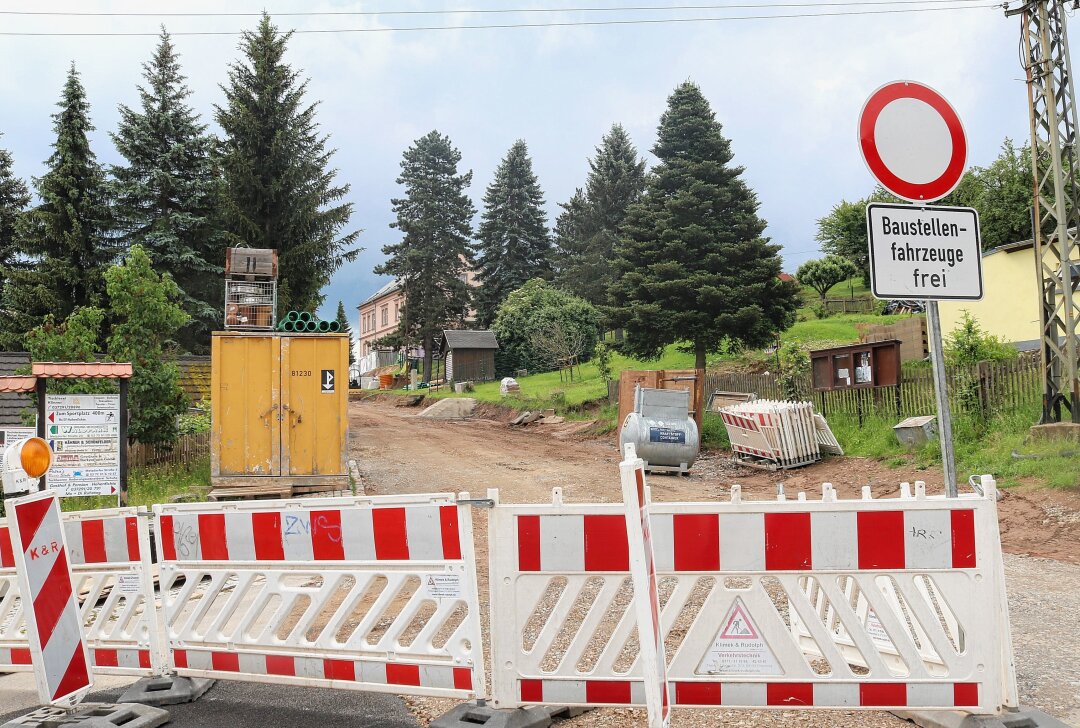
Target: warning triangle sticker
column 739, row 648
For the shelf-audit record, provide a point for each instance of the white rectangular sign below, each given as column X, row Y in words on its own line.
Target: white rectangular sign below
column 924, row 252
column 84, row 432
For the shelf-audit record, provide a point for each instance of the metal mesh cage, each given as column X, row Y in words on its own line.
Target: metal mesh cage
column 250, row 304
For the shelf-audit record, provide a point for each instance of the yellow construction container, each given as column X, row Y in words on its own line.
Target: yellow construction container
column 279, row 410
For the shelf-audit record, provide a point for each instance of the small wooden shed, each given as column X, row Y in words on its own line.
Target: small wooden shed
column 469, row 355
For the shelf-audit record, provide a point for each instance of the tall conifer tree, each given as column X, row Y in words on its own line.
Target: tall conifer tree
column 694, row 265
column 282, row 191
column 343, row 322
column 168, row 195
column 591, row 222
column 434, row 254
column 64, row 239
column 14, row 198
column 513, row 242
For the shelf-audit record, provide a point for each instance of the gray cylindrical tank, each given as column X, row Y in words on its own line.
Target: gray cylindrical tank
column 664, row 443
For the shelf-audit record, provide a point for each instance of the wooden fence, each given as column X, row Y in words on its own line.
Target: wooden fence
column 185, row 451
column 983, row 388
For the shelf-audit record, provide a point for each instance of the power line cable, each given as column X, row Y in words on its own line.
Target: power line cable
column 460, row 11
column 497, row 26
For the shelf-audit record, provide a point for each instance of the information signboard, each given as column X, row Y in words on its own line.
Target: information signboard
column 83, row 431
column 924, row 252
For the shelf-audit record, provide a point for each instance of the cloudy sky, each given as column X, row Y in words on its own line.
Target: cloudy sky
column 787, row 90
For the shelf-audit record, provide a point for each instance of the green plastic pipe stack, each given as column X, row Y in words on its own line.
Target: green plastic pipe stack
column 335, row 327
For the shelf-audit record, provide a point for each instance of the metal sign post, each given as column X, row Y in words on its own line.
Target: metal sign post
column 914, row 144
column 937, row 361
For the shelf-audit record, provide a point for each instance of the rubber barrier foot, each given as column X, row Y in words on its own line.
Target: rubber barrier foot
column 166, row 690
column 1025, row 717
column 93, row 715
column 471, row 715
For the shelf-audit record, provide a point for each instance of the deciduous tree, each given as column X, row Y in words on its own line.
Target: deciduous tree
column 146, row 314
column 823, row 274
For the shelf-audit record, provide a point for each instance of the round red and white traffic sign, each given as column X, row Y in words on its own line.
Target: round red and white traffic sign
column 912, row 141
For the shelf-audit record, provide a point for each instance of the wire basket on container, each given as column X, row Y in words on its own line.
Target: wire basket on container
column 250, row 304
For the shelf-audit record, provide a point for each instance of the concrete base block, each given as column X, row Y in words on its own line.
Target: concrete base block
column 167, row 690
column 93, row 715
column 1022, row 718
column 1069, row 431
column 469, row 715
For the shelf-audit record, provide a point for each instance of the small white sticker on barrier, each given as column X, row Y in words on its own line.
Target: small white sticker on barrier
column 739, row 648
column 876, row 631
column 128, row 584
column 442, row 586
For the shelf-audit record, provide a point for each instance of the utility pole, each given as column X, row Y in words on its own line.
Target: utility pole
column 1044, row 51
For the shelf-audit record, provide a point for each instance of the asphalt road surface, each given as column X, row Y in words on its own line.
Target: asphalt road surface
column 251, row 705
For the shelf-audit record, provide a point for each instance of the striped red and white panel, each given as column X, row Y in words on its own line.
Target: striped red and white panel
column 373, row 672
column 11, row 656
column 127, row 659
column 7, row 554
column 56, row 637
column 758, row 694
column 409, row 533
column 825, row 541
column 110, row 540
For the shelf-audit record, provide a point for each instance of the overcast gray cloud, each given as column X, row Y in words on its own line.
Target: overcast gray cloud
column 788, row 92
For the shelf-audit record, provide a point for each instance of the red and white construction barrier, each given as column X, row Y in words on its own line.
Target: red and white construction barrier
column 53, row 624
column 355, row 593
column 742, row 586
column 109, row 555
column 770, row 434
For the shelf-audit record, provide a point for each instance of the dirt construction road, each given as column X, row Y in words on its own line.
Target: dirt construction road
column 398, row 452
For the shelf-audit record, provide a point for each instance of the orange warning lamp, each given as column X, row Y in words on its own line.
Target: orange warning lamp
column 35, row 456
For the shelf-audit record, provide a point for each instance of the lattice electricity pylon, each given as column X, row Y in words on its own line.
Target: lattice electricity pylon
column 1051, row 104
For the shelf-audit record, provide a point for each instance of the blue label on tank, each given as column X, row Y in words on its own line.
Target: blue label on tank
column 666, row 434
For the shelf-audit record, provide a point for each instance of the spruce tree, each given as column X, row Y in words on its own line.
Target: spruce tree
column 63, row 240
column 594, row 221
column 168, row 195
column 343, row 323
column 573, row 231
column 282, row 192
column 513, row 242
column 433, row 257
column 693, row 263
column 14, row 199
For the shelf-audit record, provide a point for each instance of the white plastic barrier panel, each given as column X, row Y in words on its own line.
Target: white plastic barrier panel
column 109, row 553
column 354, row 593
column 742, row 586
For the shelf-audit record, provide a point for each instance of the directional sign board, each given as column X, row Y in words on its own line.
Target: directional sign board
column 84, row 432
column 327, row 381
column 923, row 252
column 912, row 141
